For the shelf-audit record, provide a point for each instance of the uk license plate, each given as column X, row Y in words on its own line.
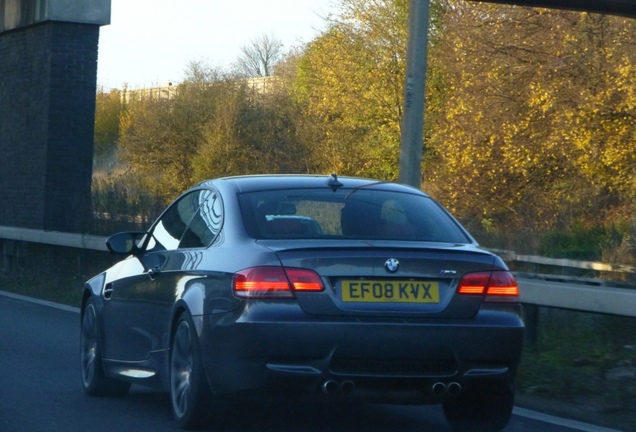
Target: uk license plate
column 382, row 291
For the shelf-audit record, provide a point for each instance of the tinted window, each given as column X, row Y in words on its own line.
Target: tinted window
column 205, row 224
column 347, row 214
column 172, row 225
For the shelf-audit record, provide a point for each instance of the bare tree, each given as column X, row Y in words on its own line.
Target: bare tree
column 259, row 57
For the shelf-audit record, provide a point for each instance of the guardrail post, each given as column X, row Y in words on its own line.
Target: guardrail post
column 531, row 320
column 8, row 254
column 8, row 249
column 12, row 249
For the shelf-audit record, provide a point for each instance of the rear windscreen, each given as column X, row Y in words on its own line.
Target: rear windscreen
column 347, row 214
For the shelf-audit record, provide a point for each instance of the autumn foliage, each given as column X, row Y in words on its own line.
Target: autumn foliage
column 530, row 123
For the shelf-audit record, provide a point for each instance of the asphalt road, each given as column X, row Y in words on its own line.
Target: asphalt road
column 40, row 391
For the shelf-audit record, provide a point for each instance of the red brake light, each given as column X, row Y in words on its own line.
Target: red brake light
column 497, row 285
column 262, row 282
column 502, row 284
column 274, row 282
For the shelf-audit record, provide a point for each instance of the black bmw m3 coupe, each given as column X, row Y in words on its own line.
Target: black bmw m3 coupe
column 314, row 286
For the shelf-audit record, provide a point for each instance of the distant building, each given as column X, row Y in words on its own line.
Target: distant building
column 167, row 92
column 258, row 86
column 262, row 85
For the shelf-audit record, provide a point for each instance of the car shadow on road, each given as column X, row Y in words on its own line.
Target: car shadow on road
column 288, row 415
column 335, row 416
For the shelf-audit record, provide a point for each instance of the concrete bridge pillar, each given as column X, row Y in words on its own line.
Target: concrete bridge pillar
column 48, row 80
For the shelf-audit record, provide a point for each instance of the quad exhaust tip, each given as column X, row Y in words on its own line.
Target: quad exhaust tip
column 454, row 388
column 451, row 389
column 332, row 387
column 438, row 389
column 329, row 387
column 347, row 387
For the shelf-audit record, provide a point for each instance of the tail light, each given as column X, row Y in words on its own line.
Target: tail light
column 275, row 282
column 496, row 285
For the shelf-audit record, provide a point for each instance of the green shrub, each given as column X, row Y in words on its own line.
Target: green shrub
column 580, row 243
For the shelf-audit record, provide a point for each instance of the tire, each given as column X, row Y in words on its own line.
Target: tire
column 94, row 381
column 193, row 405
column 485, row 408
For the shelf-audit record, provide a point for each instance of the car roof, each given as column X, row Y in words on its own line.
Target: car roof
column 252, row 183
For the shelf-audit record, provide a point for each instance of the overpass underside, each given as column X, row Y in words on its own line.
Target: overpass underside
column 612, row 7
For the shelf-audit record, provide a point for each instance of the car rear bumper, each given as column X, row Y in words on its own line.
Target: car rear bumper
column 378, row 359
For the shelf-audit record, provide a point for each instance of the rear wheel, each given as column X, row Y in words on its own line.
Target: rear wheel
column 486, row 408
column 94, row 381
column 193, row 405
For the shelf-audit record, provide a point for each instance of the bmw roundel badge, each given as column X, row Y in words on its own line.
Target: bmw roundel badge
column 392, row 265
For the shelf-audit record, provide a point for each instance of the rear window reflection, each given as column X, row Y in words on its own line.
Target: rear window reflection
column 347, row 214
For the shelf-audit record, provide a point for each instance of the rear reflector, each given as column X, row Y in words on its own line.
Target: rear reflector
column 497, row 285
column 275, row 282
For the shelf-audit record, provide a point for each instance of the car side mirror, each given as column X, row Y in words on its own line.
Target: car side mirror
column 125, row 242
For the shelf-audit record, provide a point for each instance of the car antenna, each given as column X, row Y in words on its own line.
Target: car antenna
column 333, row 182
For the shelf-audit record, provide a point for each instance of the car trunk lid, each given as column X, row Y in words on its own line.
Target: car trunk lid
column 386, row 278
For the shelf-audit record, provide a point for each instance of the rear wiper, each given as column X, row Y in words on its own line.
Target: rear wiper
column 357, row 188
column 335, row 184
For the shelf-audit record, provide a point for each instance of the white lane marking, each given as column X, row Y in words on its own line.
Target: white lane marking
column 40, row 302
column 558, row 421
column 522, row 412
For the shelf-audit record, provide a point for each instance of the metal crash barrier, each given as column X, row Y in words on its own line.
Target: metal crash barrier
column 579, row 294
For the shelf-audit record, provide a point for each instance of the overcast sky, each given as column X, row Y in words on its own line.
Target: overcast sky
column 150, row 42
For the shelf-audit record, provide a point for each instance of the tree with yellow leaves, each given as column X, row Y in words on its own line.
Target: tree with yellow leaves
column 350, row 83
column 538, row 125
